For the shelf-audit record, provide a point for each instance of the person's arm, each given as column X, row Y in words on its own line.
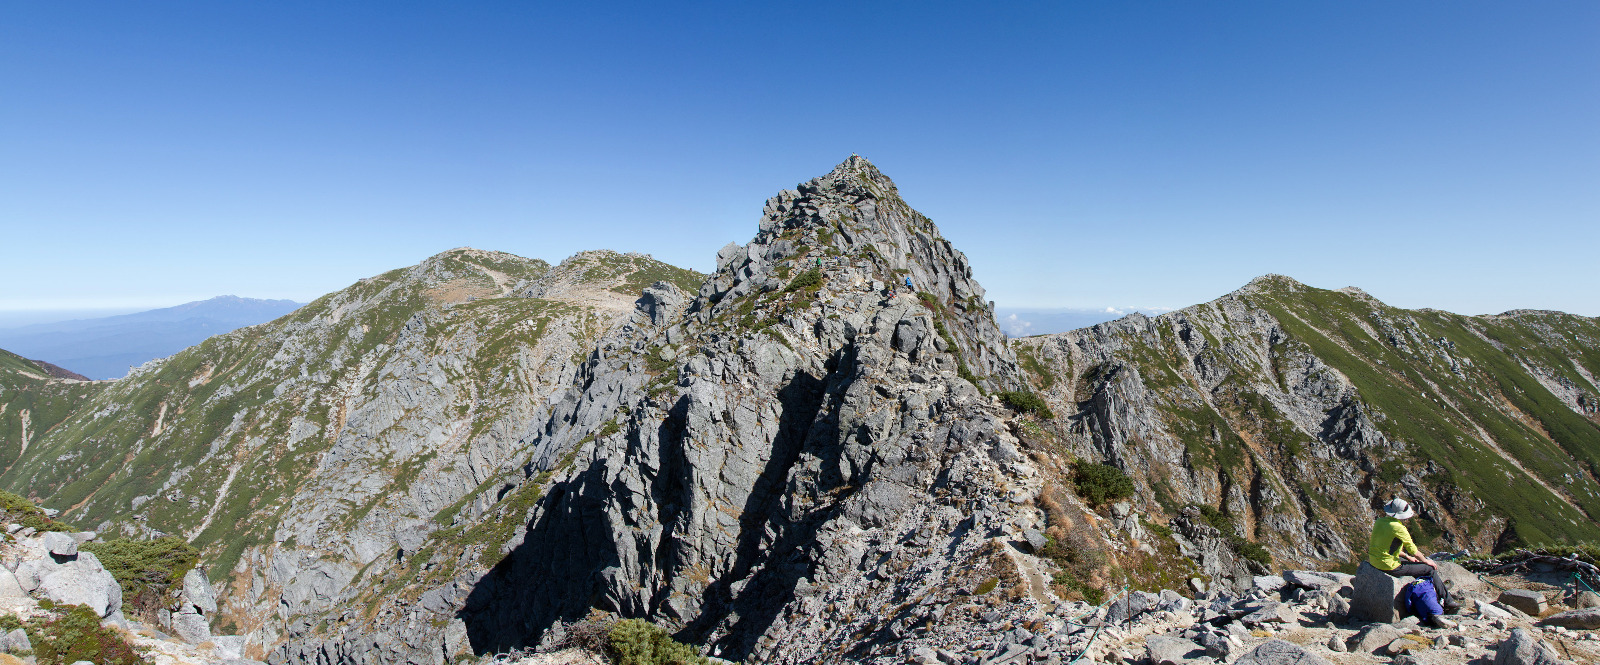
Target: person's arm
column 1408, row 549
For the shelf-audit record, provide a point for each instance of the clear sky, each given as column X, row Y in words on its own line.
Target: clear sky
column 1083, row 154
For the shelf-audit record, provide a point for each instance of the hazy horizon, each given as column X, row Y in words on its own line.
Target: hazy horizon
column 1082, row 155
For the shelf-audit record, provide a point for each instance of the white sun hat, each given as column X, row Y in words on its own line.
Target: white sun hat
column 1398, row 509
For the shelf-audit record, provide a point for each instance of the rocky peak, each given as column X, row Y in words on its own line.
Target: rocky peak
column 854, row 231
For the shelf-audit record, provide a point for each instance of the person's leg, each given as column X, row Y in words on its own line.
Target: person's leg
column 1411, row 570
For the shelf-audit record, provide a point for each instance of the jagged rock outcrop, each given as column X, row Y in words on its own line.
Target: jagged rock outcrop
column 313, row 452
column 728, row 464
column 1295, row 412
column 800, row 457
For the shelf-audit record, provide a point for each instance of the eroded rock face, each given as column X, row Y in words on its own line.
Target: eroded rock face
column 796, row 449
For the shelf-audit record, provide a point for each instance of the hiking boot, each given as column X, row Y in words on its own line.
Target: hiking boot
column 1438, row 621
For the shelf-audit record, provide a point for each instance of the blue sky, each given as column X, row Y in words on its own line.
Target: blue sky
column 1083, row 154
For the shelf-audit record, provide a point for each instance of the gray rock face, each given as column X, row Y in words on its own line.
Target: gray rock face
column 731, row 465
column 1280, row 652
column 1306, row 579
column 1522, row 648
column 1163, row 650
column 1377, row 595
column 9, row 587
column 1531, row 603
column 1584, row 600
column 83, row 582
column 1372, row 638
column 1585, row 619
column 60, row 544
column 17, row 641
column 1463, row 584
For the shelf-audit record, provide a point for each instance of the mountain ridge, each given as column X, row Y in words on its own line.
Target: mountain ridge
column 794, row 458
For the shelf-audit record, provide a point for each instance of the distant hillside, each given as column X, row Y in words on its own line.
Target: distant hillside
column 104, row 348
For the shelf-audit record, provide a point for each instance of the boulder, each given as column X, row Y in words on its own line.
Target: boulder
column 1272, row 612
column 1372, row 638
column 1166, row 650
column 60, row 544
column 1280, row 652
column 1335, row 644
column 1267, row 583
column 1528, row 602
column 1584, row 600
column 1377, row 595
column 1306, row 579
column 10, row 589
column 1584, row 619
column 1217, row 645
column 228, row 646
column 198, row 593
column 1489, row 610
column 1463, row 583
column 16, row 641
column 1522, row 648
column 191, row 626
column 83, row 582
column 1130, row 606
column 1338, row 606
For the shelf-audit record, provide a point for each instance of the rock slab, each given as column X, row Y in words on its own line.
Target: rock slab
column 1280, row 652
column 1530, row 602
column 1522, row 648
column 1584, row 619
column 1165, row 650
column 1377, row 595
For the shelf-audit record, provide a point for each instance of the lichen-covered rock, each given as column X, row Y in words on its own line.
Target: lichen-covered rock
column 1280, row 652
column 1585, row 619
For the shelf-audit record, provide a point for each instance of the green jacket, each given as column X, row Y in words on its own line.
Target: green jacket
column 1389, row 537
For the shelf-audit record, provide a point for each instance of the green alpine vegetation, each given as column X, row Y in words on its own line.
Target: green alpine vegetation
column 340, row 438
column 1293, row 411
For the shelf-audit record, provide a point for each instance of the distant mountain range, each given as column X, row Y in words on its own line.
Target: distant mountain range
column 104, row 348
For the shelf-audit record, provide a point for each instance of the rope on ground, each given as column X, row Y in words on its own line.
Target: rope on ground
column 1098, row 628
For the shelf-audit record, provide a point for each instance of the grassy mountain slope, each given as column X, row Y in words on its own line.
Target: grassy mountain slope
column 304, row 451
column 1298, row 410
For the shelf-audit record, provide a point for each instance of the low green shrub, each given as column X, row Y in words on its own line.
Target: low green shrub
column 808, row 281
column 1092, row 595
column 987, row 586
column 1248, row 549
column 1026, row 402
column 639, row 642
column 150, row 571
column 1100, row 484
column 19, row 510
column 74, row 633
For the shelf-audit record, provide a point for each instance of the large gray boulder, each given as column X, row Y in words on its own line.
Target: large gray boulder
column 1584, row 600
column 1280, row 652
column 1584, row 619
column 1372, row 638
column 1463, row 583
column 1307, row 579
column 83, row 582
column 1167, row 650
column 1377, row 595
column 197, row 591
column 16, row 641
column 191, row 626
column 1522, row 648
column 10, row 589
column 1529, row 602
column 60, row 544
